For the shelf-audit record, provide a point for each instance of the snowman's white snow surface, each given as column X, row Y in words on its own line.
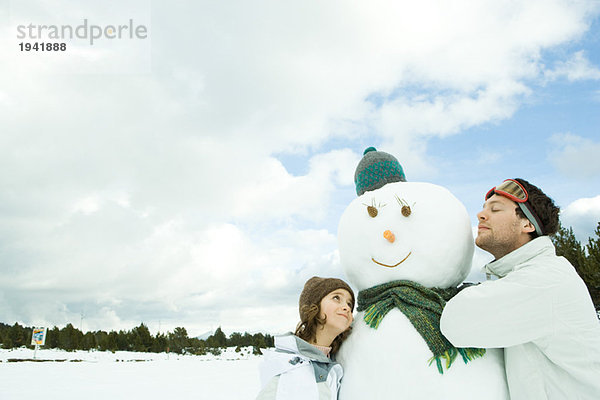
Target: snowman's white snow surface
column 436, row 244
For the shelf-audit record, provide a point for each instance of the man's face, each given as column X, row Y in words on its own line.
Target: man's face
column 500, row 229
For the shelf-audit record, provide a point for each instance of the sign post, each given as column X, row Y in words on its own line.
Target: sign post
column 38, row 338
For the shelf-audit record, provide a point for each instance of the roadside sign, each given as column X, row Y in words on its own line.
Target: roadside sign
column 38, row 338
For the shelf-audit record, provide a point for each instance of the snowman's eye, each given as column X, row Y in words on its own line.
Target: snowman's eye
column 372, row 211
column 406, row 210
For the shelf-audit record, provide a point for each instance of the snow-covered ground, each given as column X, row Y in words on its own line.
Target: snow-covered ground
column 128, row 375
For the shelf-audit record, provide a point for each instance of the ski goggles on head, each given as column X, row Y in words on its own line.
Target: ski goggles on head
column 513, row 190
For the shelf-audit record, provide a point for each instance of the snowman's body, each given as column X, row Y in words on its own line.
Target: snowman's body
column 430, row 243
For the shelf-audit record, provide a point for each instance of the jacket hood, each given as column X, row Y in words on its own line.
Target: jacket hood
column 293, row 344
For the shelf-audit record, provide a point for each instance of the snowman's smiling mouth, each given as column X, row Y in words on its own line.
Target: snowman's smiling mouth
column 392, row 266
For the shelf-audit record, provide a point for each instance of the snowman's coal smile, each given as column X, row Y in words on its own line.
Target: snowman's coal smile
column 392, row 266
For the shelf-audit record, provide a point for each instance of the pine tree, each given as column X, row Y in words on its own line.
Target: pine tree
column 88, row 341
column 269, row 340
column 17, row 336
column 160, row 343
column 235, row 339
column 197, row 346
column 3, row 333
column 123, row 341
column 259, row 341
column 178, row 340
column 141, row 338
column 65, row 338
column 220, row 338
column 570, row 248
column 247, row 339
column 586, row 261
column 52, row 339
column 591, row 267
column 112, row 341
column 101, row 338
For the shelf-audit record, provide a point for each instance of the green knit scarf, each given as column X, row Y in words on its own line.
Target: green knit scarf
column 423, row 307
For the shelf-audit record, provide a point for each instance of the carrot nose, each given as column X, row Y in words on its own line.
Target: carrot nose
column 389, row 236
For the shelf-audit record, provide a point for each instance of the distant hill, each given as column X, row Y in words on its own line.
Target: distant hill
column 205, row 335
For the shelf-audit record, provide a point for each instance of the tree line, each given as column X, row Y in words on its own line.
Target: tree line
column 585, row 259
column 137, row 339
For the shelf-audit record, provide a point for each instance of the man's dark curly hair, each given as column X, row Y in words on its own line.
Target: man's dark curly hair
column 543, row 206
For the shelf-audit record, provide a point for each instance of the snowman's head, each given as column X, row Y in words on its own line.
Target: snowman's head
column 406, row 231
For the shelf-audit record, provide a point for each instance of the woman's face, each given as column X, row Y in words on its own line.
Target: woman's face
column 336, row 307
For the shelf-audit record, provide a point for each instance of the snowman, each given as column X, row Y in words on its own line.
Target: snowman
column 406, row 246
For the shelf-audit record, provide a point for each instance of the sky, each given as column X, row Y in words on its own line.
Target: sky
column 192, row 172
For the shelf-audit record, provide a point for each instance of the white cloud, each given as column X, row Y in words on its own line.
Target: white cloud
column 583, row 215
column 448, row 114
column 575, row 156
column 577, row 68
column 86, row 205
column 273, row 193
column 114, row 260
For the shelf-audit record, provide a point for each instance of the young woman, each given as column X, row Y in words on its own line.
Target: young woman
column 303, row 366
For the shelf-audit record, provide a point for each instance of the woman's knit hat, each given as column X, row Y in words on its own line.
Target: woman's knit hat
column 316, row 288
column 376, row 169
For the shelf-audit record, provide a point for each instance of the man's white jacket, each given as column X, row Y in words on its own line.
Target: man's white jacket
column 298, row 370
column 540, row 311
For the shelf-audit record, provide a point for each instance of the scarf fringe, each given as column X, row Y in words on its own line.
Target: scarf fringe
column 467, row 354
column 373, row 316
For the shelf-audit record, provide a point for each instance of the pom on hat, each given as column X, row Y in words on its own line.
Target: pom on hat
column 376, row 169
column 316, row 288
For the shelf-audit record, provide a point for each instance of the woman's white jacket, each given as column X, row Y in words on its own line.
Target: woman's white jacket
column 298, row 370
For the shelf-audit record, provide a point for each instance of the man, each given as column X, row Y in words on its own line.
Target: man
column 539, row 310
